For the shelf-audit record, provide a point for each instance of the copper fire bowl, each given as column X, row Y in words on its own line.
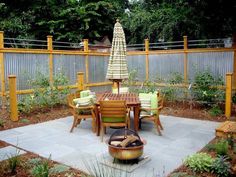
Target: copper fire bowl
column 129, row 153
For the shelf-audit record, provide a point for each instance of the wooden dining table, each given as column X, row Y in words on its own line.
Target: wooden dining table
column 132, row 101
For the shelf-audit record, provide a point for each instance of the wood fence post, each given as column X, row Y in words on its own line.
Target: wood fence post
column 2, row 75
column 185, row 59
column 50, row 48
column 86, row 50
column 13, row 98
column 80, row 80
column 147, row 58
column 228, row 95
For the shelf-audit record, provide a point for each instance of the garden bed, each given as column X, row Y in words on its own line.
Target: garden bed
column 179, row 109
column 230, row 153
column 37, row 116
column 30, row 164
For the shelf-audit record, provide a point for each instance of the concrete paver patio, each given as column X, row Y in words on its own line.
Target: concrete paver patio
column 181, row 137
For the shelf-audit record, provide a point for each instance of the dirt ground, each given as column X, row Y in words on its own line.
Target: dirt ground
column 179, row 109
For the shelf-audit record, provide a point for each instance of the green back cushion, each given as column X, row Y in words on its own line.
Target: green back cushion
column 84, row 93
column 152, row 97
column 113, row 119
column 84, row 101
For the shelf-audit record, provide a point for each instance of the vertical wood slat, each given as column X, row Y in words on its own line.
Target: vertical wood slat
column 147, row 58
column 80, row 81
column 185, row 59
column 50, row 48
column 13, row 98
column 86, row 50
column 2, row 75
column 228, row 98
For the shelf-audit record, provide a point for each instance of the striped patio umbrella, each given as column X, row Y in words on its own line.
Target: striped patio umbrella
column 117, row 67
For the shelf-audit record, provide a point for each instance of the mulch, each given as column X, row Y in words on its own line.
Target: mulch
column 37, row 116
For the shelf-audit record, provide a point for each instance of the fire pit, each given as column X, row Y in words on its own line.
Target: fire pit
column 125, row 144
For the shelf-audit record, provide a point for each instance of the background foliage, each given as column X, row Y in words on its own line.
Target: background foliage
column 73, row 20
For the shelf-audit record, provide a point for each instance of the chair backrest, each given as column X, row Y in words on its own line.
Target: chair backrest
column 113, row 111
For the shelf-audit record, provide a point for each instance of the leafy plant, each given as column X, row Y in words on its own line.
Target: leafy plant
column 58, row 168
column 221, row 147
column 215, row 110
column 14, row 161
column 221, row 167
column 41, row 169
column 45, row 95
column 199, row 162
column 2, row 123
column 205, row 87
column 34, row 161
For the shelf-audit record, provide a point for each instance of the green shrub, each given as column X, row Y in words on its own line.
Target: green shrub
column 45, row 95
column 215, row 110
column 58, row 168
column 14, row 161
column 2, row 122
column 221, row 167
column 199, row 162
column 205, row 87
column 221, row 147
column 41, row 170
column 35, row 161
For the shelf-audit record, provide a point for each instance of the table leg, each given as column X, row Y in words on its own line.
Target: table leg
column 97, row 120
column 136, row 118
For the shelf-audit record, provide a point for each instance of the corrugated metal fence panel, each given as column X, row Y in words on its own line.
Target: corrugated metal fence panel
column 163, row 65
column 137, row 62
column 219, row 63
column 98, row 68
column 25, row 67
column 101, row 88
column 69, row 65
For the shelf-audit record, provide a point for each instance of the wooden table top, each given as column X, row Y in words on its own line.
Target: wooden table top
column 130, row 98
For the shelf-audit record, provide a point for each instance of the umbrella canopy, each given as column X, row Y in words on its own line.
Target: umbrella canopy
column 117, row 67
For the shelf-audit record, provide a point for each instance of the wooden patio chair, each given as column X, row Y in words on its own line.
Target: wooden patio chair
column 81, row 112
column 147, row 113
column 114, row 114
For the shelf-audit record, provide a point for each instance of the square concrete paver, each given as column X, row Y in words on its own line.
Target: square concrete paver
column 181, row 137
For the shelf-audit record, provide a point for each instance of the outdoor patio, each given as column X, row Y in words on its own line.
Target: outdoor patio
column 181, row 137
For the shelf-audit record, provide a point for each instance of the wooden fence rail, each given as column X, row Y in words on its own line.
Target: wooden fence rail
column 87, row 52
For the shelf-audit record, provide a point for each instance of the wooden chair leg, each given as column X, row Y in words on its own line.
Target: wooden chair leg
column 74, row 124
column 77, row 122
column 157, row 127
column 93, row 125
column 159, row 122
column 102, row 133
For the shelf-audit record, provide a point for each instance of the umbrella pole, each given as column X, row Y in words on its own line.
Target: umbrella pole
column 118, row 85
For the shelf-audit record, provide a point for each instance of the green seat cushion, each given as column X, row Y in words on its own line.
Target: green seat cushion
column 113, row 119
column 152, row 97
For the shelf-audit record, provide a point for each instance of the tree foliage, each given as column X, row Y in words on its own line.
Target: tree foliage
column 73, row 20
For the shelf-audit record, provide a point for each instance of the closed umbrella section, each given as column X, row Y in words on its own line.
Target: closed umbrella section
column 117, row 67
